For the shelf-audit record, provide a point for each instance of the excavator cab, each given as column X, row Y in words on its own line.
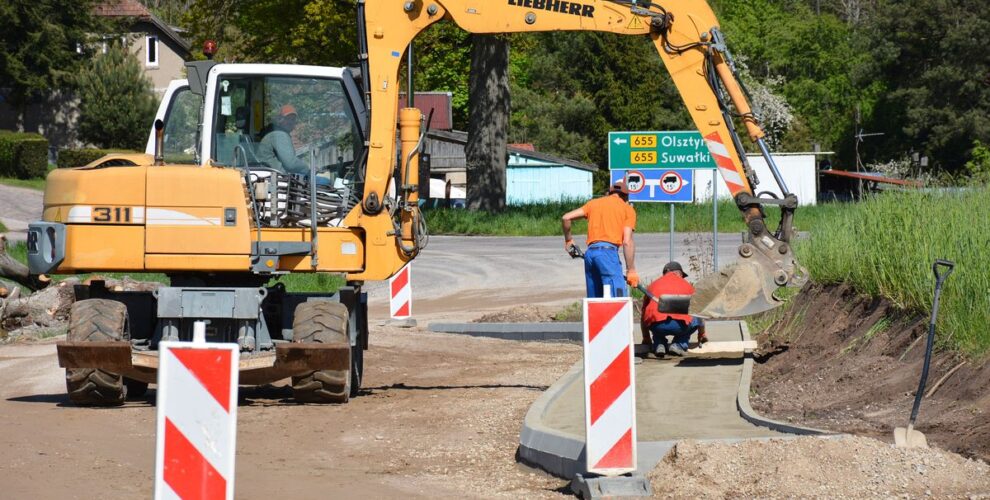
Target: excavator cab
column 314, row 116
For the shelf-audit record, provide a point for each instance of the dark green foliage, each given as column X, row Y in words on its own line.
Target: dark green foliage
column 938, row 75
column 23, row 156
column 116, row 103
column 38, row 44
column 570, row 89
column 69, row 158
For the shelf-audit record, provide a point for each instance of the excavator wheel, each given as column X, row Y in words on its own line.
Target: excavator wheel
column 326, row 323
column 95, row 320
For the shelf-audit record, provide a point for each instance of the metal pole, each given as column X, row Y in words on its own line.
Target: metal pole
column 715, row 219
column 671, row 232
column 410, row 95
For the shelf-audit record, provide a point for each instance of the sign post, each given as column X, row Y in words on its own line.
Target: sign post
column 715, row 219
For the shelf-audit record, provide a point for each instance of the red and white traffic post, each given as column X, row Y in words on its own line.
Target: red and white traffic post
column 609, row 386
column 400, row 294
column 197, row 419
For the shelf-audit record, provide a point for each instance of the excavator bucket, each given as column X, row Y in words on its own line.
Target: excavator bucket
column 745, row 288
column 736, row 291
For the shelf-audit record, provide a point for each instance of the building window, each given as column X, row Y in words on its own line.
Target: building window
column 151, row 51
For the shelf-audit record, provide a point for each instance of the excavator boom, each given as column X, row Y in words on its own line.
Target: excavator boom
column 687, row 38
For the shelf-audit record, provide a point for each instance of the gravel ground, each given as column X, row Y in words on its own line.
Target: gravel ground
column 851, row 467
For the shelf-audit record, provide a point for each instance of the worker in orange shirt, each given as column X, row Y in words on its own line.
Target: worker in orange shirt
column 670, row 288
column 611, row 222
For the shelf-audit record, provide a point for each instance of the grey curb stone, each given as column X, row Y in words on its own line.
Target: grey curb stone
column 747, row 411
column 556, row 331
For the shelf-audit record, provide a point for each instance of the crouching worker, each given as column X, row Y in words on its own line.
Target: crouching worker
column 670, row 317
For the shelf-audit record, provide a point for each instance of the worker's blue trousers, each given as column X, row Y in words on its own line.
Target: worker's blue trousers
column 680, row 330
column 602, row 268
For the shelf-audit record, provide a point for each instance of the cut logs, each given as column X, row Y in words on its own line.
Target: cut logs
column 12, row 269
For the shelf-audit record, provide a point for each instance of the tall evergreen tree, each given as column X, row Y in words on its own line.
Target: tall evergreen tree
column 116, row 101
column 39, row 43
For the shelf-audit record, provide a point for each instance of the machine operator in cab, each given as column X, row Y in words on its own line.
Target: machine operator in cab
column 611, row 222
column 276, row 149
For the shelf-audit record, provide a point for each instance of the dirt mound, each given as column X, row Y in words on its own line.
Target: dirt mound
column 520, row 314
column 852, row 467
column 837, row 360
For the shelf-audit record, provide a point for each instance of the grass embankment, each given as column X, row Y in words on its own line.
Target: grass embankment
column 885, row 246
column 37, row 184
column 3, row 228
column 298, row 282
column 544, row 219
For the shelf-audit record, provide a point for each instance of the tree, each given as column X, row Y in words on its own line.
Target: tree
column 939, row 81
column 116, row 101
column 38, row 45
column 486, row 151
column 320, row 32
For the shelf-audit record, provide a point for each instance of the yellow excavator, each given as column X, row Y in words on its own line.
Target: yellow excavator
column 257, row 171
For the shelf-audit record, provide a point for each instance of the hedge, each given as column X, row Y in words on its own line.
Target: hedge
column 68, row 158
column 23, row 155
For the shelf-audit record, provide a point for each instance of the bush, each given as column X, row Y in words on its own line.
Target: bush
column 69, row 158
column 23, row 156
column 116, row 103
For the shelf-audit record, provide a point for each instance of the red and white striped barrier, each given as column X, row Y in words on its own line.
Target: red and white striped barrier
column 400, row 294
column 609, row 386
column 723, row 159
column 197, row 420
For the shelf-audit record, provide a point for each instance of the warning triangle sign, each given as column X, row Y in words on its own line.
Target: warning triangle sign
column 635, row 23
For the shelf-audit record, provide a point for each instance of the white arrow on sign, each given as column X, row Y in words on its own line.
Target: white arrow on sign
column 620, row 141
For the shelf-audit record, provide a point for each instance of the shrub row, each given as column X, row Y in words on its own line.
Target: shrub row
column 23, row 156
column 69, row 158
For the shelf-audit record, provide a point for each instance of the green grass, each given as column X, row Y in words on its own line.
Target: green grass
column 38, row 184
column 318, row 282
column 3, row 228
column 885, row 246
column 544, row 219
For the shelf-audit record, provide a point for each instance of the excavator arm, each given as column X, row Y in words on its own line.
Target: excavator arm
column 687, row 37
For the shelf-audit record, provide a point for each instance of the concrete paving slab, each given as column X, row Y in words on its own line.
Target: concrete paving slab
column 681, row 398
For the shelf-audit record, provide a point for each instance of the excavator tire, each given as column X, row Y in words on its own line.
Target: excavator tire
column 324, row 322
column 95, row 320
column 135, row 388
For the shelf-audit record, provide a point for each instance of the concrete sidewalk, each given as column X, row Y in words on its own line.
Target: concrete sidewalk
column 676, row 398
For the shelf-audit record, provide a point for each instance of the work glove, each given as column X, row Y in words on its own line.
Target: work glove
column 702, row 338
column 632, row 278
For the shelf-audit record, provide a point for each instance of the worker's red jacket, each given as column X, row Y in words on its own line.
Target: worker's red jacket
column 669, row 283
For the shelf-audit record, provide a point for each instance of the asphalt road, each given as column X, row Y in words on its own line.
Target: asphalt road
column 465, row 274
column 18, row 207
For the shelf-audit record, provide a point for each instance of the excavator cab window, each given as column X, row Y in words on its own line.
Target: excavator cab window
column 312, row 115
column 182, row 128
column 279, row 129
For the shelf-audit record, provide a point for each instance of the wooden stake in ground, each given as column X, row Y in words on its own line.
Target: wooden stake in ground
column 12, row 269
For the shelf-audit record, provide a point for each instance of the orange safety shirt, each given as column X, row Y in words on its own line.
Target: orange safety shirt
column 668, row 284
column 607, row 217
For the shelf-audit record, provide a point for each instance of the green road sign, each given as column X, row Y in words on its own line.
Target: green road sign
column 655, row 150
